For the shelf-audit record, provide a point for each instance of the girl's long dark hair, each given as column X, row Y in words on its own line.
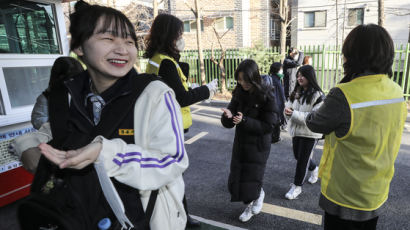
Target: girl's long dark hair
column 165, row 30
column 250, row 73
column 309, row 73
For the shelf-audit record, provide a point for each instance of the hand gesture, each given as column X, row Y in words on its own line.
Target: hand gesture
column 227, row 113
column 237, row 118
column 288, row 111
column 76, row 159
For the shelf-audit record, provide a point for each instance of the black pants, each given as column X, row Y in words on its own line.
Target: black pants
column 286, row 86
column 335, row 223
column 303, row 151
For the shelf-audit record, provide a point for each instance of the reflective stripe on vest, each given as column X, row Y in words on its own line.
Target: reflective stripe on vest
column 356, row 170
column 153, row 68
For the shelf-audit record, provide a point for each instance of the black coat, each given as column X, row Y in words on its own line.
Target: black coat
column 251, row 145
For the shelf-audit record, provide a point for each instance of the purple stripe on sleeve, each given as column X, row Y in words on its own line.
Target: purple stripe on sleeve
column 180, row 135
column 144, row 165
column 173, row 123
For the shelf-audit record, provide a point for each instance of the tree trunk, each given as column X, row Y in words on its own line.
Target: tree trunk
column 344, row 22
column 223, row 73
column 381, row 13
column 199, row 43
column 337, row 24
column 283, row 11
column 155, row 8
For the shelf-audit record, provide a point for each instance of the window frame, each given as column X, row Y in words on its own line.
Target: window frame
column 225, row 28
column 314, row 19
column 190, row 26
column 274, row 29
column 348, row 13
column 22, row 114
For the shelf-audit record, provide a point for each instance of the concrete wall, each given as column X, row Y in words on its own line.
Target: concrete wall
column 396, row 23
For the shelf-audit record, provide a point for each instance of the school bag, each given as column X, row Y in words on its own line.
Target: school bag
column 267, row 81
column 73, row 199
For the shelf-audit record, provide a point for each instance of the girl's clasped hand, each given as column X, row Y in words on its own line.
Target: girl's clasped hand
column 236, row 119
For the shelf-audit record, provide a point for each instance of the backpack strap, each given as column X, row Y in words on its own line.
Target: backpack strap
column 319, row 99
column 150, row 206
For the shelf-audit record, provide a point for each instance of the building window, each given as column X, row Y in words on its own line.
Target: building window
column 224, row 23
column 355, row 17
column 190, row 26
column 28, row 28
column 187, row 26
column 315, row 19
column 274, row 29
column 229, row 22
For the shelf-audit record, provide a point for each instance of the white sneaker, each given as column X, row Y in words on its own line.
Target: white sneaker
column 294, row 192
column 247, row 214
column 258, row 203
column 313, row 175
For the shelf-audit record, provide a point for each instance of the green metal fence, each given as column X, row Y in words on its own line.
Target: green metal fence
column 326, row 60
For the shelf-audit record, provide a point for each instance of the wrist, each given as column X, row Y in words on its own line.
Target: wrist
column 244, row 119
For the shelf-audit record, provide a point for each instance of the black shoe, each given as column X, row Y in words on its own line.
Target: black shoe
column 192, row 223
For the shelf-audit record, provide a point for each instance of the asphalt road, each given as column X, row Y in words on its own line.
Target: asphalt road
column 206, row 180
column 208, row 196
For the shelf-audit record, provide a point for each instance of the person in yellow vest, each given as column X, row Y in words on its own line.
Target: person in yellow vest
column 363, row 119
column 164, row 44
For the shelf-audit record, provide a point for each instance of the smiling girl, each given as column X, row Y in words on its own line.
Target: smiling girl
column 306, row 97
column 119, row 130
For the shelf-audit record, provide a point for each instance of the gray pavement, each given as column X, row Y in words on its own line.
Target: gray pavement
column 208, row 196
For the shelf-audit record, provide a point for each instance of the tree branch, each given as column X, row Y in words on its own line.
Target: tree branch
column 192, row 9
column 290, row 21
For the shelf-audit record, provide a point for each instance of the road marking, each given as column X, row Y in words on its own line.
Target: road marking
column 196, row 110
column 319, row 146
column 209, row 115
column 292, row 214
column 217, row 224
column 407, row 127
column 195, row 138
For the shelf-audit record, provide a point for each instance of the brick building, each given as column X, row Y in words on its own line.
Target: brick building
column 245, row 22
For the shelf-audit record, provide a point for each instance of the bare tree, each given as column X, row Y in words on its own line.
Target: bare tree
column 155, row 4
column 381, row 13
column 284, row 23
column 197, row 13
column 220, row 62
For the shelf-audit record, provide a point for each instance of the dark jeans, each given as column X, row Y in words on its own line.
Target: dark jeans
column 303, row 150
column 335, row 223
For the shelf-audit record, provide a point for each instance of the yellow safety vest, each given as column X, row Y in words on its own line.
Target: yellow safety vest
column 356, row 170
column 153, row 68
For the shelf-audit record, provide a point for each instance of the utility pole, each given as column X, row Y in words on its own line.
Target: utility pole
column 381, row 13
column 199, row 42
column 155, row 8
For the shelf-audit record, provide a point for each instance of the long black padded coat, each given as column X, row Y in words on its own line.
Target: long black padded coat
column 251, row 145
